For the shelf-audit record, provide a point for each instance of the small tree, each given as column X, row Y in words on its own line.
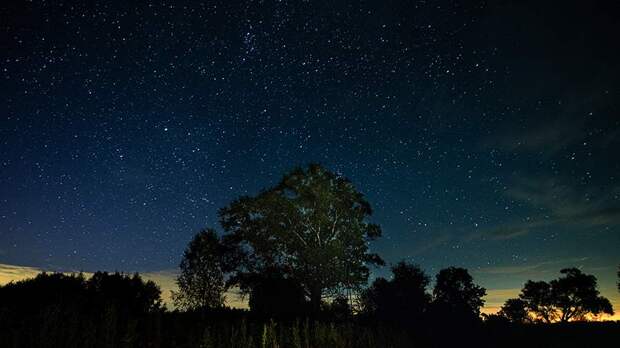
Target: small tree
column 201, row 282
column 456, row 295
column 515, row 311
column 569, row 298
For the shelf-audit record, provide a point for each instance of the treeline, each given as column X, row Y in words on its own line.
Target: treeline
column 118, row 310
column 58, row 310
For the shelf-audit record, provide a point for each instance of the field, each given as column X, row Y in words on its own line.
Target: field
column 62, row 327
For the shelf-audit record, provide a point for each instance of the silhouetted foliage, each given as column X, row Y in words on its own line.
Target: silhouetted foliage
column 58, row 310
column 515, row 311
column 201, row 281
column 311, row 227
column 572, row 297
column 455, row 296
column 403, row 299
column 274, row 295
column 116, row 310
column 130, row 294
column 539, row 300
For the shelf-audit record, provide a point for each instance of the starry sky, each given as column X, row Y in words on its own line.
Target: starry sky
column 483, row 133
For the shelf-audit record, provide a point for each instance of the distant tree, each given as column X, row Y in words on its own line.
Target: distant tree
column 515, row 311
column 572, row 297
column 128, row 293
column 618, row 278
column 312, row 227
column 456, row 295
column 402, row 299
column 69, row 310
column 201, row 281
column 30, row 295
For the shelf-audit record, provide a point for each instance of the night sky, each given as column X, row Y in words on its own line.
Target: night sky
column 484, row 135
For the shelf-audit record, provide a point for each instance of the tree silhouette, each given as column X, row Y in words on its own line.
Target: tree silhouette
column 60, row 310
column 273, row 295
column 456, row 295
column 538, row 299
column 131, row 294
column 402, row 299
column 576, row 295
column 201, row 281
column 572, row 297
column 515, row 311
column 311, row 227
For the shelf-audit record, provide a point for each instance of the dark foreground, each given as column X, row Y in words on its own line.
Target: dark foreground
column 62, row 327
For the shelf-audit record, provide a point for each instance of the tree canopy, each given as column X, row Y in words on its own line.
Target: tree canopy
column 515, row 311
column 312, row 226
column 456, row 294
column 572, row 297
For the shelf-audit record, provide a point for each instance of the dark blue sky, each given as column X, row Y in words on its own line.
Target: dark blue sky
column 483, row 134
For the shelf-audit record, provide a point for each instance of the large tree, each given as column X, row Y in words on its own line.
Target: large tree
column 201, row 281
column 312, row 227
column 572, row 297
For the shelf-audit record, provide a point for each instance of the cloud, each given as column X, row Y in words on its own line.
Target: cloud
column 558, row 204
column 495, row 298
column 590, row 205
column 12, row 273
column 547, row 139
column 166, row 281
column 566, row 124
column 534, row 269
column 508, row 231
column 436, row 241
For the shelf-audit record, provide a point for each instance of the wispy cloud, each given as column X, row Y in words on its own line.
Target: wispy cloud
column 568, row 123
column 436, row 241
column 558, row 204
column 12, row 273
column 546, row 139
column 495, row 298
column 590, row 205
column 533, row 269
